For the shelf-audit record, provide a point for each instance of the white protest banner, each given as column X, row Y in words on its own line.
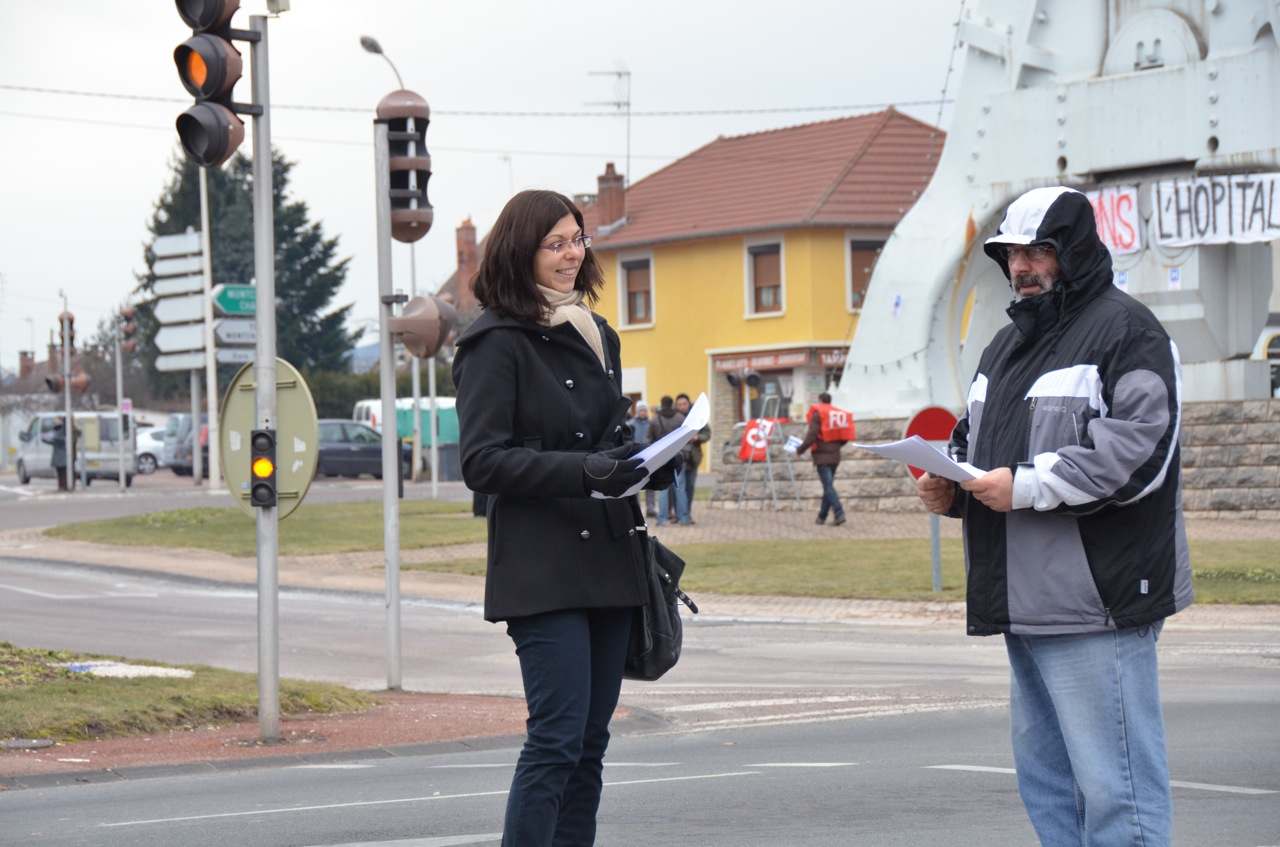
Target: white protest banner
column 1239, row 208
column 1115, row 211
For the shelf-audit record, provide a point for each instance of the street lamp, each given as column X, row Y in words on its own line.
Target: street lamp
column 371, row 45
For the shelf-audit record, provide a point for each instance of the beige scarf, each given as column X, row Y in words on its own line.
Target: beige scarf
column 567, row 307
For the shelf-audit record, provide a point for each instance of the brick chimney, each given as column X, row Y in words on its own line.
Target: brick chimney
column 26, row 363
column 611, row 197
column 468, row 264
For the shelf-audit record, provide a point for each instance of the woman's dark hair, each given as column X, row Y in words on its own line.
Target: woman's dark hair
column 505, row 281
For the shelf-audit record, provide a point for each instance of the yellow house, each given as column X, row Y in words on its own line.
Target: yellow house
column 739, row 269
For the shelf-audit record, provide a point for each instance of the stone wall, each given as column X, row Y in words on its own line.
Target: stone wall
column 1230, row 467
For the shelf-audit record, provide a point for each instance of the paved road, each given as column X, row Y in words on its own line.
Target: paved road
column 776, row 733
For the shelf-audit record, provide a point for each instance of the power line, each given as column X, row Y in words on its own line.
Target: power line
column 500, row 113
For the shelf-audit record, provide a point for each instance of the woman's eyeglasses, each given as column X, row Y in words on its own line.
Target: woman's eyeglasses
column 557, row 247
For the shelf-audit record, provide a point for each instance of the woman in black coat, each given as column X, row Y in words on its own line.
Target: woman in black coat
column 540, row 415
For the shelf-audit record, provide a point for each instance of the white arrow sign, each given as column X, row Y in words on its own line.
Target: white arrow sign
column 236, row 331
column 181, row 266
column 173, row 339
column 177, row 285
column 181, row 244
column 235, row 355
column 180, row 362
column 180, row 310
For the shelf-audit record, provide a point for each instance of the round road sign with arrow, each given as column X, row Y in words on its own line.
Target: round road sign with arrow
column 932, row 423
column 297, row 437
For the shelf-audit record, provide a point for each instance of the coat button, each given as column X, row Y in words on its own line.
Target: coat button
column 631, row 532
column 579, row 436
column 610, row 371
column 585, row 535
column 545, row 338
column 568, row 383
column 618, row 428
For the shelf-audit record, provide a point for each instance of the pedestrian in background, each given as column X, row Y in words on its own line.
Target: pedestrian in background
column 57, row 439
column 677, row 496
column 692, row 452
column 540, row 410
column 640, row 434
column 829, row 429
column 1074, row 543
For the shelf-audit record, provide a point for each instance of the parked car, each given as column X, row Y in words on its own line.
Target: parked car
column 150, row 451
column 98, row 453
column 350, row 449
column 178, row 446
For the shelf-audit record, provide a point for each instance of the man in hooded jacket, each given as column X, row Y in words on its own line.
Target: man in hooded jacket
column 1074, row 542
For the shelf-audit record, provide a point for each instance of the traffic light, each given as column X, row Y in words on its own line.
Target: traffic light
column 407, row 115
column 209, row 67
column 127, row 328
column 424, row 325
column 262, row 468
column 79, row 382
column 67, row 330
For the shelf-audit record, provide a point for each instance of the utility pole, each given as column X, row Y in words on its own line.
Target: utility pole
column 622, row 104
column 68, row 424
column 119, row 411
column 416, row 378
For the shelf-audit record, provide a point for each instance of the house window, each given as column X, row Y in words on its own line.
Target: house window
column 765, row 261
column 862, row 260
column 639, row 288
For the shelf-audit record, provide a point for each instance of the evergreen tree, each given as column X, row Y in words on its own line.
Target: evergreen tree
column 310, row 334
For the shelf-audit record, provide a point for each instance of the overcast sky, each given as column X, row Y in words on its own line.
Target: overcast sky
column 79, row 174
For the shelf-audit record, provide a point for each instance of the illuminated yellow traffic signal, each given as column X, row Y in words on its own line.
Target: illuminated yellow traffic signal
column 262, row 468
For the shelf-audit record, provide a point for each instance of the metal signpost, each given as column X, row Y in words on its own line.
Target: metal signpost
column 210, row 362
column 934, row 424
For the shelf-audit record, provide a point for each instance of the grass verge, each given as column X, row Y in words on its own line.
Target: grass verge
column 899, row 569
column 41, row 699
column 312, row 529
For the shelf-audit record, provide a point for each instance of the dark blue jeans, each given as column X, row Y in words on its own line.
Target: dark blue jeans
column 571, row 662
column 830, row 500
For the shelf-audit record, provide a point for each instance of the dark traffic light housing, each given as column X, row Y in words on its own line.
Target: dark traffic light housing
column 209, row 67
column 127, row 328
column 424, row 324
column 262, row 468
column 407, row 116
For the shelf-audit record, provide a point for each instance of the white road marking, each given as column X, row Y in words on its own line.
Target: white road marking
column 46, row 595
column 356, row 804
column 1176, row 783
column 827, row 715
column 778, row 701
column 803, row 765
column 486, row 765
column 21, row 492
column 333, row 767
column 442, row 841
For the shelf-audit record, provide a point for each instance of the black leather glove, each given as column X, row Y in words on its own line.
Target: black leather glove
column 665, row 476
column 612, row 472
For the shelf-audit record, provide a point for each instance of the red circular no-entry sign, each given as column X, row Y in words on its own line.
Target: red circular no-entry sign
column 932, row 423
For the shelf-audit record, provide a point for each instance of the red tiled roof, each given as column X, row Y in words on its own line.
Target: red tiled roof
column 866, row 170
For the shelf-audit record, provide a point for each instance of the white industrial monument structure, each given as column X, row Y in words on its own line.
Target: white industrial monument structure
column 1167, row 114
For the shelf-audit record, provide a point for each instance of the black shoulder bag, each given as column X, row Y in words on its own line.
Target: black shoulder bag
column 656, row 631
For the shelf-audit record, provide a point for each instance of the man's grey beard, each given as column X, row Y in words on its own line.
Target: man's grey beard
column 1045, row 282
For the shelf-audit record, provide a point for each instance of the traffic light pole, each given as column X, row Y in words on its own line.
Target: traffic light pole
column 68, row 423
column 264, row 376
column 416, row 372
column 119, row 410
column 210, row 356
column 387, row 371
column 197, row 454
column 435, row 429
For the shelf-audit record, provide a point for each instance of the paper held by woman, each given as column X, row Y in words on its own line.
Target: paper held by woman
column 665, row 449
column 922, row 454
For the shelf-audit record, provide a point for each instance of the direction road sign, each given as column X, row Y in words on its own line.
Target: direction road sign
column 180, row 310
column 235, row 300
column 236, row 331
column 234, row 355
column 181, row 244
column 177, row 285
column 173, row 339
column 180, row 361
column 932, row 423
column 180, row 266
column 297, row 437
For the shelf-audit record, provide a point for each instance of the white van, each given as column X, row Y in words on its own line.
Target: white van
column 98, row 447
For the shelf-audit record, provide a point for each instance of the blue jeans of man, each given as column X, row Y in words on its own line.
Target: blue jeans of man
column 830, row 500
column 571, row 662
column 1088, row 738
column 681, row 493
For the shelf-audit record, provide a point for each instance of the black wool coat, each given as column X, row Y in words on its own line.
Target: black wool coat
column 532, row 401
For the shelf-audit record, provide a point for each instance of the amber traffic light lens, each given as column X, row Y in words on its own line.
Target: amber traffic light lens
column 197, row 70
column 262, row 467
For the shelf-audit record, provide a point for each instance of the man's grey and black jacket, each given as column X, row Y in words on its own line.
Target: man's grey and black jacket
column 1080, row 397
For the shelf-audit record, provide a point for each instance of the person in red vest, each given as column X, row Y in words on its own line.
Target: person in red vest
column 829, row 429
